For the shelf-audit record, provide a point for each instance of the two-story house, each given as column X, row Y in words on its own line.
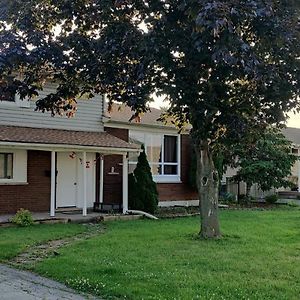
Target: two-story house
column 48, row 163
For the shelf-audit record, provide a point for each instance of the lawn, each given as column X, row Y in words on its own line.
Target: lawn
column 258, row 258
column 14, row 240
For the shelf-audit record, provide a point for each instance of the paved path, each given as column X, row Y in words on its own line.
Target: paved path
column 22, row 285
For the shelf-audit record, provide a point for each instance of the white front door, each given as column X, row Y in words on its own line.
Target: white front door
column 66, row 180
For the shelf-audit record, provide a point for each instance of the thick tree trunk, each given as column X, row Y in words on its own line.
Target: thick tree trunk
column 208, row 189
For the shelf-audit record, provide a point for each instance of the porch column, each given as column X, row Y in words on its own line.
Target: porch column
column 84, row 210
column 125, row 183
column 101, row 179
column 53, row 179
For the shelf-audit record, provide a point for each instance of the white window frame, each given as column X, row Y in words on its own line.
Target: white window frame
column 19, row 174
column 164, row 178
column 5, row 166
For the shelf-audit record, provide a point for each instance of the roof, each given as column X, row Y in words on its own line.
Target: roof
column 16, row 134
column 292, row 134
column 122, row 114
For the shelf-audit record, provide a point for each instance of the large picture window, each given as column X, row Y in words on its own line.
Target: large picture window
column 163, row 153
column 6, row 165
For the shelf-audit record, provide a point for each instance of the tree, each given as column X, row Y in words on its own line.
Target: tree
column 228, row 67
column 267, row 161
column 143, row 194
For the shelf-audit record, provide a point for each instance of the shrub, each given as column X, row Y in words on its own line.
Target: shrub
column 245, row 199
column 271, row 199
column 143, row 194
column 292, row 204
column 23, row 217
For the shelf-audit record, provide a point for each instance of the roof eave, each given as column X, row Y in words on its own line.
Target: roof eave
column 64, row 147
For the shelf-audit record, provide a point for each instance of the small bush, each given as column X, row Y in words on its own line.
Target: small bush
column 245, row 199
column 23, row 218
column 142, row 192
column 271, row 199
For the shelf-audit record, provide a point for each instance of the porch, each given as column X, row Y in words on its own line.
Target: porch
column 71, row 217
column 71, row 170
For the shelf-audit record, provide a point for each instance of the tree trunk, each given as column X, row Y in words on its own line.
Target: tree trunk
column 208, row 189
column 248, row 189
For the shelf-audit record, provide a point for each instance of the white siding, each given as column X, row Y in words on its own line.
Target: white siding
column 87, row 118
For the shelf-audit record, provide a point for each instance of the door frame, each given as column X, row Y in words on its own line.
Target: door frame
column 58, row 183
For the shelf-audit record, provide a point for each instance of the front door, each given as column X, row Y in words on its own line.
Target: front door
column 66, row 180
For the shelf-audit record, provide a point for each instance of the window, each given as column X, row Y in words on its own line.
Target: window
column 6, row 165
column 162, row 152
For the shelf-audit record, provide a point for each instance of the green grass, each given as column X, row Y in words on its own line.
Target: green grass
column 258, row 258
column 14, row 240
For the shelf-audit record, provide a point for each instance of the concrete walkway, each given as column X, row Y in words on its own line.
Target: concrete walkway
column 22, row 285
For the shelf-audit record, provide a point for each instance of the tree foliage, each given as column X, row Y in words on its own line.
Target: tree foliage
column 267, row 161
column 143, row 194
column 228, row 67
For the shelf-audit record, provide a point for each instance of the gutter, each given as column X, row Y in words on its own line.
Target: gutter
column 62, row 147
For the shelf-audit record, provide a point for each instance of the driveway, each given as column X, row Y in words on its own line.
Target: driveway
column 23, row 285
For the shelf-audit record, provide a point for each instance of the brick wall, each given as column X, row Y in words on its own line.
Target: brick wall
column 167, row 191
column 34, row 196
column 112, row 187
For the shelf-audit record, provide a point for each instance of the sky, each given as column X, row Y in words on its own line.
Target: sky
column 294, row 120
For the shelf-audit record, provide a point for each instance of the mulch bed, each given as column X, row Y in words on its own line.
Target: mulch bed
column 181, row 211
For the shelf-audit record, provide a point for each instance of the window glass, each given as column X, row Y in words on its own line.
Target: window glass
column 161, row 150
column 170, row 148
column 154, row 147
column 156, row 169
column 6, row 165
column 170, row 170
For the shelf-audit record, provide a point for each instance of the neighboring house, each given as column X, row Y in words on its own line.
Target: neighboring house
column 168, row 152
column 51, row 163
column 293, row 135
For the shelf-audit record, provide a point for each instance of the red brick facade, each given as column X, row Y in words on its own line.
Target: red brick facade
column 35, row 195
column 167, row 191
column 112, row 189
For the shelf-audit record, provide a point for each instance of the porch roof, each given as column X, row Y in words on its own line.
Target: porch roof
column 57, row 137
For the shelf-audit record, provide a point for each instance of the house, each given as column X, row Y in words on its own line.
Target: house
column 169, row 156
column 49, row 163
column 168, row 153
column 291, row 134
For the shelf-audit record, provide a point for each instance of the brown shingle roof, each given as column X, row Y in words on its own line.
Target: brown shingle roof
column 122, row 113
column 61, row 137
